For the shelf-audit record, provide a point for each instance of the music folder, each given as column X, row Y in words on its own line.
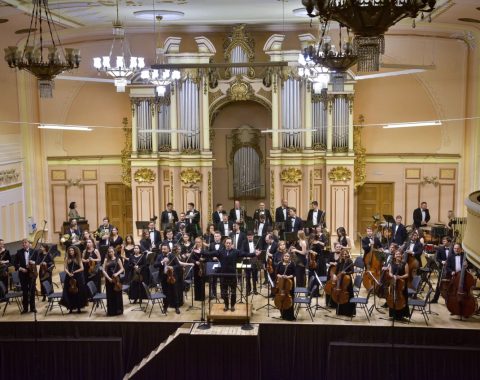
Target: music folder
column 290, row 236
column 142, row 224
column 389, row 219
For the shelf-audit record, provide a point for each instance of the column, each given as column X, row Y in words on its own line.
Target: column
column 205, row 121
column 308, row 115
column 350, row 123
column 134, row 128
column 275, row 110
column 329, row 123
column 173, row 117
column 153, row 108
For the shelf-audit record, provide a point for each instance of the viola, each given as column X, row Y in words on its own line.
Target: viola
column 460, row 300
column 312, row 260
column 283, row 299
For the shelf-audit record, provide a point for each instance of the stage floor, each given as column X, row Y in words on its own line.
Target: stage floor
column 439, row 318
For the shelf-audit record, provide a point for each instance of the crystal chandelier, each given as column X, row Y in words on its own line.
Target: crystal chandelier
column 126, row 65
column 319, row 76
column 368, row 20
column 161, row 79
column 44, row 61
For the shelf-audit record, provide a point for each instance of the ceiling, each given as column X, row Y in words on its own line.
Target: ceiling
column 263, row 13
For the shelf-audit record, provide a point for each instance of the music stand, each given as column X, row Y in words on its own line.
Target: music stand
column 270, row 286
column 212, row 268
column 290, row 237
column 317, row 306
column 142, row 224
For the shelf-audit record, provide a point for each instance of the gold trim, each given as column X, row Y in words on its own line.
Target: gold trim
column 359, row 166
column 10, row 187
column 239, row 37
column 126, row 154
column 209, row 188
column 340, row 173
column 171, row 187
column 190, row 176
column 311, row 186
column 144, row 175
column 272, row 192
column 291, row 175
column 317, row 174
column 166, row 176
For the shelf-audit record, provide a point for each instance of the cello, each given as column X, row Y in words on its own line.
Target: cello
column 340, row 293
column 396, row 298
column 460, row 300
column 373, row 267
column 283, row 299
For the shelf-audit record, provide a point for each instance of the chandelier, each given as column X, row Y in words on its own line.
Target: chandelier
column 368, row 20
column 126, row 65
column 162, row 78
column 44, row 61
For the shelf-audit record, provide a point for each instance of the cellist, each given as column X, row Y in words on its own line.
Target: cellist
column 345, row 265
column 399, row 270
column 286, row 269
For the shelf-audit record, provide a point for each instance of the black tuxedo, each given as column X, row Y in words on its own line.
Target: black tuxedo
column 239, row 239
column 293, row 225
column 320, row 217
column 193, row 224
column 170, row 243
column 451, row 262
column 164, row 221
column 221, row 228
column 417, row 251
column 279, row 217
column 266, row 212
column 233, row 215
column 417, row 217
column 156, row 238
column 366, row 244
column 442, row 253
column 27, row 283
column 217, row 218
column 212, row 246
column 399, row 234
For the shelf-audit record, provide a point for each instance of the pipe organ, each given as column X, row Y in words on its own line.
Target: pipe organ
column 143, row 117
column 189, row 112
column 291, row 114
column 340, row 121
column 319, row 123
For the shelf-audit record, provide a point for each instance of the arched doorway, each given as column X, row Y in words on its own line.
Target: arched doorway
column 237, row 139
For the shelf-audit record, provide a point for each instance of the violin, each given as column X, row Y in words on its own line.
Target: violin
column 340, row 293
column 460, row 300
column 283, row 298
column 137, row 275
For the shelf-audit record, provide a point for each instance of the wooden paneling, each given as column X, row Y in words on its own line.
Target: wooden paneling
column 293, row 196
column 145, row 203
column 412, row 201
column 166, row 196
column 190, row 194
column 339, row 206
column 90, row 200
column 119, row 207
column 446, row 201
column 128, row 210
column 317, row 196
column 60, row 207
column 373, row 199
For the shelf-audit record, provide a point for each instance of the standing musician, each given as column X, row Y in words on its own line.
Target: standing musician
column 300, row 251
column 238, row 215
column 181, row 221
column 192, row 217
column 112, row 269
column 286, row 269
column 316, row 216
column 228, row 258
column 25, row 264
column 421, row 216
column 103, row 236
column 281, row 215
column 293, row 223
column 316, row 246
column 154, row 235
column 171, row 274
column 208, row 236
column 399, row 270
column 444, row 251
column 370, row 242
column 217, row 216
column 72, row 234
column 345, row 265
column 127, row 252
column 169, row 240
column 4, row 263
column 46, row 265
column 238, row 237
column 74, row 294
column 168, row 218
column 198, row 269
column 415, row 247
column 251, row 273
column 91, row 263
column 115, row 239
column 261, row 210
column 454, row 262
column 399, row 231
column 261, row 227
column 215, row 246
column 145, row 242
column 139, row 273
column 225, row 226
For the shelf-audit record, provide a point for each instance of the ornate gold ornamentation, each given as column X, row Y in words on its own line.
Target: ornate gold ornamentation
column 190, row 176
column 291, row 175
column 272, row 192
column 350, row 98
column 292, row 149
column 144, row 175
column 340, row 173
column 311, row 186
column 165, row 148
column 214, row 95
column 171, row 187
column 126, row 154
column 240, row 90
column 360, row 155
column 209, row 188
column 265, row 94
column 240, row 38
column 190, row 151
column 317, row 174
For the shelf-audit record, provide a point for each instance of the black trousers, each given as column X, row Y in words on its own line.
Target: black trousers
column 226, row 284
column 251, row 274
column 28, row 289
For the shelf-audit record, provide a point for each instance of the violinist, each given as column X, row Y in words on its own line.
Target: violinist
column 370, row 242
column 112, row 269
column 139, row 273
column 115, row 239
column 91, row 263
column 251, row 273
column 316, row 249
column 168, row 262
column 198, row 269
column 24, row 259
column 46, row 265
column 300, row 249
column 286, row 269
column 4, row 263
column 127, row 252
column 399, row 270
column 228, row 258
column 74, row 294
column 344, row 265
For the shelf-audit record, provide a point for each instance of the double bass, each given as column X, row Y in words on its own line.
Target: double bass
column 411, row 261
column 460, row 300
column 283, row 299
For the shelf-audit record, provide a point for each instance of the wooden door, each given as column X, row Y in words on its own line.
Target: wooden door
column 373, row 199
column 119, row 207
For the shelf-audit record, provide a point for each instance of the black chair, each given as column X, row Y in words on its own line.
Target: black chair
column 299, row 302
column 6, row 297
column 53, row 298
column 154, row 280
column 154, row 298
column 62, row 275
column 363, row 302
column 358, row 266
column 304, row 290
column 96, row 297
column 357, row 284
column 414, row 289
column 420, row 305
column 16, row 281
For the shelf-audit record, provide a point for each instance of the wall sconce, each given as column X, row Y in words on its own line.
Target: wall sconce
column 74, row 182
column 429, row 181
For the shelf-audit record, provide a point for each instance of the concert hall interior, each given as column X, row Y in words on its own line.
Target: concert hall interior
column 231, row 189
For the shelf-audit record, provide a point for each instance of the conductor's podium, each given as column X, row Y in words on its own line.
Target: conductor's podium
column 240, row 315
